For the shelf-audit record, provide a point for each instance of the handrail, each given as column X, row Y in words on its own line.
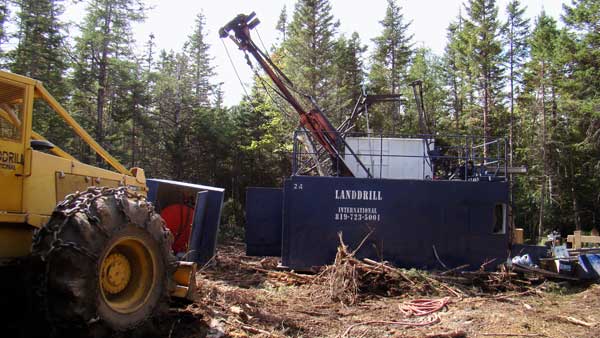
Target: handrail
column 454, row 157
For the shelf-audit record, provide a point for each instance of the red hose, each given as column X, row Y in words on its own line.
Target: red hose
column 423, row 307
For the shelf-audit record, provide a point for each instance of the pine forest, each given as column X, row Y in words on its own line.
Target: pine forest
column 533, row 81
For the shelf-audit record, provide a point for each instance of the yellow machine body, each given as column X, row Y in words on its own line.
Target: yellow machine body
column 32, row 181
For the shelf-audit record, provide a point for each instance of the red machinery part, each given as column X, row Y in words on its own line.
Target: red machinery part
column 179, row 218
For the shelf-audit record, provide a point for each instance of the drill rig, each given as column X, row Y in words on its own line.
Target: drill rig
column 319, row 129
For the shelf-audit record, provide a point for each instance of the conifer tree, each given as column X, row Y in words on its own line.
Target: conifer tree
column 483, row 29
column 582, row 60
column 4, row 15
column 542, row 81
column 309, row 50
column 516, row 34
column 428, row 68
column 348, row 75
column 389, row 66
column 582, row 17
column 197, row 49
column 282, row 24
column 456, row 71
column 41, row 44
column 103, row 61
column 40, row 54
column 393, row 51
column 173, row 99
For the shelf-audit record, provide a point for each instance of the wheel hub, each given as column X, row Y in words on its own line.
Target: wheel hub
column 127, row 274
column 116, row 273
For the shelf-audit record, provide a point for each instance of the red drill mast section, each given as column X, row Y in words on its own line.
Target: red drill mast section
column 313, row 119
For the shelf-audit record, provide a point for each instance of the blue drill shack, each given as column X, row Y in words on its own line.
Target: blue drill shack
column 417, row 201
column 412, row 206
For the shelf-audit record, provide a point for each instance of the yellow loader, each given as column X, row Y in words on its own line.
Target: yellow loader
column 96, row 252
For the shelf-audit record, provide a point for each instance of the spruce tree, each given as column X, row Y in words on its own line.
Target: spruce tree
column 282, row 24
column 103, row 62
column 348, row 75
column 393, row 51
column 516, row 34
column 4, row 16
column 456, row 71
column 483, row 29
column 583, row 19
column 309, row 50
column 582, row 61
column 542, row 81
column 389, row 67
column 40, row 54
column 197, row 49
column 174, row 99
column 429, row 68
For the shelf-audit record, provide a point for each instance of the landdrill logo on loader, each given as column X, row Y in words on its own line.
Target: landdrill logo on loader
column 9, row 160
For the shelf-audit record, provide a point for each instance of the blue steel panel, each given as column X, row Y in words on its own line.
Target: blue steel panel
column 409, row 218
column 263, row 221
column 198, row 227
column 206, row 220
column 152, row 191
column 204, row 246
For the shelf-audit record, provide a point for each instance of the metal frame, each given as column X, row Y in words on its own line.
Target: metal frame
column 459, row 150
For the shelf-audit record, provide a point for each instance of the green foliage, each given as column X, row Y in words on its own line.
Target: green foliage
column 516, row 33
column 282, row 25
column 197, row 50
column 429, row 68
column 390, row 64
column 348, row 76
column 393, row 51
column 457, row 73
column 482, row 33
column 40, row 54
column 103, row 69
column 310, row 49
column 162, row 111
column 4, row 13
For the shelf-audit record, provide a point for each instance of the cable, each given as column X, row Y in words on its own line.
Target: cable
column 234, row 69
column 260, row 39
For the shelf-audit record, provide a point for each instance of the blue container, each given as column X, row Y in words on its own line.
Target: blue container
column 410, row 220
column 207, row 213
column 263, row 221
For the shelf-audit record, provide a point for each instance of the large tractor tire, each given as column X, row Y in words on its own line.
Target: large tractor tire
column 104, row 262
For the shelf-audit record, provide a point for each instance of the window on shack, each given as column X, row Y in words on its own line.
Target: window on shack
column 500, row 219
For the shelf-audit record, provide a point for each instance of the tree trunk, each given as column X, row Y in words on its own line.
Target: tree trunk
column 486, row 111
column 544, row 173
column 576, row 214
column 102, row 79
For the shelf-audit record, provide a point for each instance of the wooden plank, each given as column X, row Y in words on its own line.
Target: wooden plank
column 577, row 239
column 545, row 273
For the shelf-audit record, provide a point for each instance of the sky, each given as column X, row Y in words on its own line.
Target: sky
column 172, row 21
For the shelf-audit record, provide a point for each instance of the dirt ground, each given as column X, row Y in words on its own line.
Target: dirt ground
column 240, row 296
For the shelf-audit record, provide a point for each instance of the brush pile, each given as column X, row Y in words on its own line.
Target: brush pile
column 349, row 277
